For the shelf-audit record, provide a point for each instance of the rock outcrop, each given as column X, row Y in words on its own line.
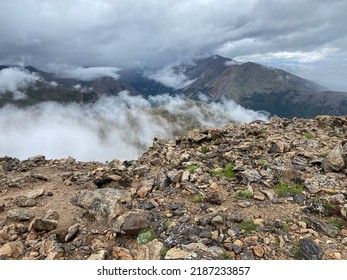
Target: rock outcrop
column 274, row 190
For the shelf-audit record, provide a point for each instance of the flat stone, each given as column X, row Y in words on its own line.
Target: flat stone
column 257, row 195
column 43, row 225
column 100, row 255
column 35, row 193
column 19, row 215
column 258, row 251
column 269, row 193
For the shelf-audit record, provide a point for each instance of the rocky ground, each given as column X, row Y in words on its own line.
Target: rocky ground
column 274, row 190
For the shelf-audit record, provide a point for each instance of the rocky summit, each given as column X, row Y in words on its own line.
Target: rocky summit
column 275, row 190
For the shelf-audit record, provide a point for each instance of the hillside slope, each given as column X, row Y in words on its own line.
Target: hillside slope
column 272, row 190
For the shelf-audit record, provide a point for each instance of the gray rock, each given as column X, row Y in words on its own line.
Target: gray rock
column 104, row 204
column 43, row 225
column 217, row 220
column 19, row 215
column 251, row 175
column 323, row 227
column 35, row 193
column 336, row 160
column 133, row 221
column 309, row 250
column 175, row 176
column 72, row 232
column 299, row 198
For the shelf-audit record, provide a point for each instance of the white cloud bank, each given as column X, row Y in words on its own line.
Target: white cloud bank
column 14, row 80
column 88, row 73
column 120, row 127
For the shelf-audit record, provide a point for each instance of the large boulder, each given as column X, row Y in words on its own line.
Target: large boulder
column 104, row 204
column 336, row 160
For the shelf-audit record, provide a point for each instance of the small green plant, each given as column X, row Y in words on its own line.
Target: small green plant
column 204, row 150
column 330, row 208
column 288, row 190
column 145, row 235
column 248, row 226
column 262, row 162
column 196, row 198
column 309, row 135
column 285, row 226
column 336, row 223
column 163, row 251
column 167, row 224
column 227, row 171
column 264, row 132
column 296, row 251
column 192, row 167
column 243, row 194
column 225, row 256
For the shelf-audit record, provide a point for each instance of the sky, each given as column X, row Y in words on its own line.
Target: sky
column 305, row 37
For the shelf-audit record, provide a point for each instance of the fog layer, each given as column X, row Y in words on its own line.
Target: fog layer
column 119, row 127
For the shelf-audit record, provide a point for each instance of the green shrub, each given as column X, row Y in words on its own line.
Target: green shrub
column 192, row 167
column 248, row 226
column 243, row 194
column 196, row 198
column 309, row 135
column 227, row 171
column 288, row 190
column 204, row 150
column 145, row 235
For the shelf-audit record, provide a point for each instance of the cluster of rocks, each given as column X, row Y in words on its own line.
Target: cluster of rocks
column 275, row 190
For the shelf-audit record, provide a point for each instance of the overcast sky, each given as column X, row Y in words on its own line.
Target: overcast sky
column 305, row 37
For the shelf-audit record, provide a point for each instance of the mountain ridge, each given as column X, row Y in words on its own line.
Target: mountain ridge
column 253, row 86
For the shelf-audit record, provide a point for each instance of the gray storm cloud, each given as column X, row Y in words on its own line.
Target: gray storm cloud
column 119, row 127
column 156, row 33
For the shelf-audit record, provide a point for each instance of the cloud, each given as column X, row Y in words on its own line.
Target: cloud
column 170, row 77
column 119, row 127
column 88, row 73
column 14, row 80
column 152, row 33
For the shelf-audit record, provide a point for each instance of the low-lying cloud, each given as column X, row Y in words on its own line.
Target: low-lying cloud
column 119, row 127
column 14, row 80
column 88, row 73
column 170, row 77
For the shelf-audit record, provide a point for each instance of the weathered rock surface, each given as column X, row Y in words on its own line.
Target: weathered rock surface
column 275, row 190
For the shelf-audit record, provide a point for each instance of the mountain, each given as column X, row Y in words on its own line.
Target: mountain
column 54, row 87
column 258, row 87
column 252, row 85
